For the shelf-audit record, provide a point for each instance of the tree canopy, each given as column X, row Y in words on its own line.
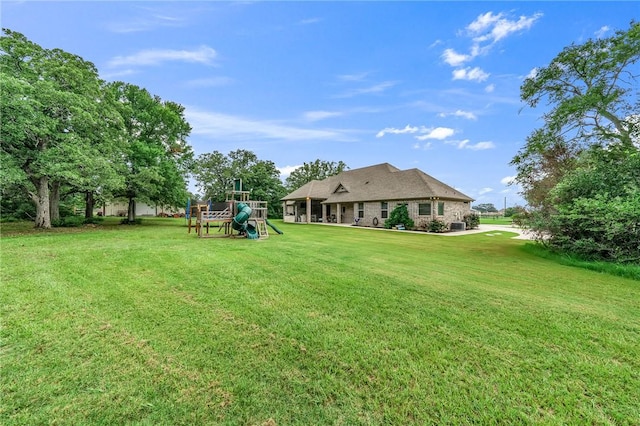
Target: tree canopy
column 315, row 170
column 51, row 121
column 65, row 130
column 215, row 172
column 156, row 153
column 574, row 170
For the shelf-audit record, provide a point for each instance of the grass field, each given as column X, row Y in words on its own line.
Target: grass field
column 486, row 220
column 322, row 325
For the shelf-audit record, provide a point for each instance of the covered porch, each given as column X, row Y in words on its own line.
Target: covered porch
column 311, row 210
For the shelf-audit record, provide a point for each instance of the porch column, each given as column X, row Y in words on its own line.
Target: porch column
column 339, row 213
column 308, row 210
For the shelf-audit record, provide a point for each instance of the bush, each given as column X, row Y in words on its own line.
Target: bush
column 68, row 222
column 437, row 225
column 399, row 215
column 598, row 228
column 471, row 221
column 95, row 220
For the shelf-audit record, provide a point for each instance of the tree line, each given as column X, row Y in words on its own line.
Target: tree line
column 68, row 135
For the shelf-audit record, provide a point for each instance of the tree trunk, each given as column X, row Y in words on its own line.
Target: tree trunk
column 54, row 201
column 131, row 214
column 88, row 208
column 41, row 200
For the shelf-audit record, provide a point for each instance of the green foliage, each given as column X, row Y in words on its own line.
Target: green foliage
column 485, row 208
column 156, row 155
column 215, row 172
column 399, row 216
column 437, row 225
column 598, row 208
column 471, row 221
column 68, row 222
column 316, row 170
column 510, row 211
column 579, row 172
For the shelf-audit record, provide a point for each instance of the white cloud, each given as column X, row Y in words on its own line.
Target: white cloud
column 150, row 22
column 439, row 133
column 376, row 88
column 533, row 73
column 483, row 22
column 471, row 74
column 320, row 115
column 228, row 127
column 424, row 147
column 309, row 21
column 455, row 59
column 464, row 144
column 395, row 131
column 286, row 170
column 485, row 191
column 485, row 31
column 602, row 31
column 480, row 146
column 459, row 113
column 354, row 77
column 507, row 180
column 204, row 55
column 490, row 88
column 493, row 28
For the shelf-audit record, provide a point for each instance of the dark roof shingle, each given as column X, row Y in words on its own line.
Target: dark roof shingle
column 380, row 182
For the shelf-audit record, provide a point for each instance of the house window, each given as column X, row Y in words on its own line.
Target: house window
column 440, row 208
column 360, row 209
column 424, row 209
column 384, row 210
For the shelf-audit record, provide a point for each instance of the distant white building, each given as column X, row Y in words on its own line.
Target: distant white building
column 120, row 207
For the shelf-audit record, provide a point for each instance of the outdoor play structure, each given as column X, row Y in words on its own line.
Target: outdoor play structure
column 236, row 217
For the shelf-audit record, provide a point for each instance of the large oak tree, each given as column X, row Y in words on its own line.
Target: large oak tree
column 53, row 123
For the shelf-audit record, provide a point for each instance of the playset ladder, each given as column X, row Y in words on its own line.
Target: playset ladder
column 262, row 228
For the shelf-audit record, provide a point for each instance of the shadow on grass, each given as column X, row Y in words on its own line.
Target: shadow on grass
column 17, row 228
column 620, row 270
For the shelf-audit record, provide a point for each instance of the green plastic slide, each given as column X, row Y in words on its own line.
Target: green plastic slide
column 273, row 227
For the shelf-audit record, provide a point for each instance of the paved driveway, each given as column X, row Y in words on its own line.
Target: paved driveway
column 522, row 234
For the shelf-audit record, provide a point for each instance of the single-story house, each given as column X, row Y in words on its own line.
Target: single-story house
column 368, row 195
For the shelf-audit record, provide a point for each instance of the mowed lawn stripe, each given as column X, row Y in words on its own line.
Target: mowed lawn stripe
column 321, row 325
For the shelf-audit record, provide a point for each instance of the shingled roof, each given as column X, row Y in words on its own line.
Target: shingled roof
column 381, row 182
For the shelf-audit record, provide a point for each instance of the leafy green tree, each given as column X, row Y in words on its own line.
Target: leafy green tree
column 50, row 110
column 592, row 92
column 214, row 174
column 316, row 170
column 263, row 180
column 156, row 154
column 574, row 171
column 485, row 208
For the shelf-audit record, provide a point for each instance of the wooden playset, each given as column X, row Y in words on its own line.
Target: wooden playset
column 236, row 217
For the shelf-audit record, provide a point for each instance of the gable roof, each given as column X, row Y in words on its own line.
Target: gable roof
column 380, row 182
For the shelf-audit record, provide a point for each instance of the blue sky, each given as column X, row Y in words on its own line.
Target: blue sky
column 431, row 85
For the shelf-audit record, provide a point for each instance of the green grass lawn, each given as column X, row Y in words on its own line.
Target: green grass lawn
column 322, row 325
column 485, row 220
